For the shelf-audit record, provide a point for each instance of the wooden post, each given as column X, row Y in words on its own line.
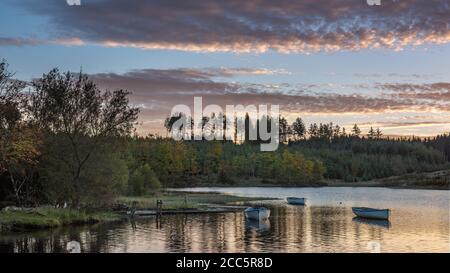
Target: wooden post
column 133, row 209
column 159, row 207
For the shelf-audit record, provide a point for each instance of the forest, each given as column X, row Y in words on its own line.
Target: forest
column 65, row 141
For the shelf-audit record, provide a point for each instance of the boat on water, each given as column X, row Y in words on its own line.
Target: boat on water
column 371, row 213
column 296, row 200
column 257, row 214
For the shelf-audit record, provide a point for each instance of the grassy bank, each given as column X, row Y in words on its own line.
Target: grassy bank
column 40, row 218
column 185, row 200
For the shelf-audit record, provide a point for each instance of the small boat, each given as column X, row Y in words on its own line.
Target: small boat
column 257, row 213
column 371, row 213
column 295, row 200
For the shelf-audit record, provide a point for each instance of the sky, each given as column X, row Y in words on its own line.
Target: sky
column 342, row 61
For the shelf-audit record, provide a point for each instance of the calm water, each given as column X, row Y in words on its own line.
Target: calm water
column 419, row 222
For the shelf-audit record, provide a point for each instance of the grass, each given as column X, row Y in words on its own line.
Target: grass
column 185, row 200
column 50, row 217
column 44, row 217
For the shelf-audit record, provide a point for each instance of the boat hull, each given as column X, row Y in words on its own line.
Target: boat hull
column 382, row 214
column 257, row 213
column 296, row 201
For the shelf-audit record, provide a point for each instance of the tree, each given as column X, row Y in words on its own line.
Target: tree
column 298, row 128
column 371, row 134
column 313, row 131
column 318, row 170
column 18, row 143
column 71, row 108
column 171, row 120
column 283, row 129
column 378, row 133
column 143, row 181
column 356, row 131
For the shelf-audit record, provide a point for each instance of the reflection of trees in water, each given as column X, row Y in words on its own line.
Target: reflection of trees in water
column 368, row 230
column 202, row 233
column 293, row 226
column 92, row 239
column 34, row 242
column 290, row 229
column 285, row 234
column 177, row 233
column 97, row 239
column 328, row 226
column 332, row 229
column 258, row 240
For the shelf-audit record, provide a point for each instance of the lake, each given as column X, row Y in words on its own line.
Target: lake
column 419, row 222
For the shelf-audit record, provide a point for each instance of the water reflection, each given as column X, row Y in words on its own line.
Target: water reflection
column 260, row 226
column 313, row 228
column 374, row 222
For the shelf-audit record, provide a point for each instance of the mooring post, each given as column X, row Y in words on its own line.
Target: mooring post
column 159, row 207
column 133, row 209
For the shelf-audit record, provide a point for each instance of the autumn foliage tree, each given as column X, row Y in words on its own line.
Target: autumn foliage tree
column 80, row 119
column 19, row 145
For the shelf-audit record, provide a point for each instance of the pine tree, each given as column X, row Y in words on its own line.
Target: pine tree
column 356, row 131
column 371, row 133
column 378, row 133
column 298, row 128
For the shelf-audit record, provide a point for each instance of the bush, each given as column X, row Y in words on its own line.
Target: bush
column 143, row 181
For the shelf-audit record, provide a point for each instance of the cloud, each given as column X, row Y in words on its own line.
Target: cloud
column 394, row 75
column 250, row 26
column 387, row 124
column 439, row 92
column 158, row 90
column 7, row 41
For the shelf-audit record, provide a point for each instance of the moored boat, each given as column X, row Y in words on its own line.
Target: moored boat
column 258, row 214
column 295, row 200
column 371, row 213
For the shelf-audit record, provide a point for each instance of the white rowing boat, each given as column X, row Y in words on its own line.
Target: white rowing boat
column 371, row 213
column 296, row 201
column 257, row 213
